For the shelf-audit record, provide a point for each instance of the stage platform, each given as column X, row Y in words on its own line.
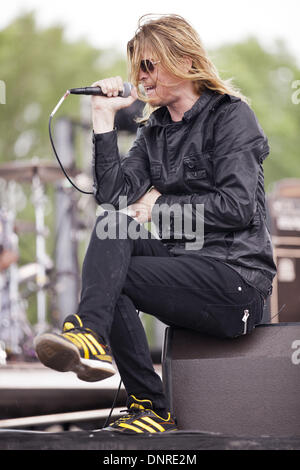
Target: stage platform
column 30, row 389
column 100, row 440
column 41, row 409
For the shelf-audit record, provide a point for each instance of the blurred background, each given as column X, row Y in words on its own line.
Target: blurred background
column 49, row 47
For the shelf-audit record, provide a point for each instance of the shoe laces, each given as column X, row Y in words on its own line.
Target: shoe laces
column 82, row 329
column 130, row 413
column 79, row 329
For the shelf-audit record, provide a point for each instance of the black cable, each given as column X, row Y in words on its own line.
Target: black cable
column 60, row 164
column 276, row 315
column 113, row 406
column 115, row 400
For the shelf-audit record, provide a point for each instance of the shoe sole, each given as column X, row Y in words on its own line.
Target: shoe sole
column 58, row 354
column 132, row 433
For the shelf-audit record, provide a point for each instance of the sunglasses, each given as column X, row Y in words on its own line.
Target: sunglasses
column 148, row 65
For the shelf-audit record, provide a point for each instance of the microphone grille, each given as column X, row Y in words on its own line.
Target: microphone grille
column 127, row 89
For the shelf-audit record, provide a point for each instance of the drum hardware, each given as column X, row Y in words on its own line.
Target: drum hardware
column 24, row 171
column 28, row 272
column 3, row 354
column 9, row 280
column 13, row 322
column 24, row 226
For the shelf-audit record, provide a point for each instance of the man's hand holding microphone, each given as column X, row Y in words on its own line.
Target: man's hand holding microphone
column 104, row 109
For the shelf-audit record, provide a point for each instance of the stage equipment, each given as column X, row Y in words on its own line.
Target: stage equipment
column 284, row 212
column 247, row 386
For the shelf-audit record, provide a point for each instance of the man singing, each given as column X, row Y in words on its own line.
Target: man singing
column 199, row 151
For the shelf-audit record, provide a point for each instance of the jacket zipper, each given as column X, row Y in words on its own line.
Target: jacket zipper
column 245, row 320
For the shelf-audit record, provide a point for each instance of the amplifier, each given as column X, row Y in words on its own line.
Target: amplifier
column 247, row 386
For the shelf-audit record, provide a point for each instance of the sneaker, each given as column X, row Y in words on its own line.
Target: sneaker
column 141, row 418
column 76, row 349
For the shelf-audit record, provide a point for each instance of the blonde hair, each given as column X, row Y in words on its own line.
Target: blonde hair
column 171, row 39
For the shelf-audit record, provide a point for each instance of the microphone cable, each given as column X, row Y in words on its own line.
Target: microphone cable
column 54, row 149
column 115, row 399
column 112, row 406
column 80, row 91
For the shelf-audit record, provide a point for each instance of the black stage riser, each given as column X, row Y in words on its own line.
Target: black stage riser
column 244, row 386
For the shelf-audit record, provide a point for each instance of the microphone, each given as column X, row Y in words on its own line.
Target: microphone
column 96, row 90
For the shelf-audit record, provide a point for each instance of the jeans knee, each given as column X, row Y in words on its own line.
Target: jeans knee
column 112, row 225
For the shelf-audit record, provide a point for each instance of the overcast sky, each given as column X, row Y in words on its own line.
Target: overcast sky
column 112, row 23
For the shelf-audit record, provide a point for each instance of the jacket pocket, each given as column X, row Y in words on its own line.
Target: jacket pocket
column 155, row 171
column 196, row 173
column 235, row 320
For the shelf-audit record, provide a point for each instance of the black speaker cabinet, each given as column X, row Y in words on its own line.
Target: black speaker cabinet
column 247, row 386
column 285, row 300
column 283, row 209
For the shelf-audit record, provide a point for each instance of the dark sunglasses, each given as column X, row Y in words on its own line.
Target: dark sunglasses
column 148, row 65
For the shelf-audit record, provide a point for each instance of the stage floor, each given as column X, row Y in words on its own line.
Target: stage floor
column 30, row 389
column 105, row 440
column 34, row 398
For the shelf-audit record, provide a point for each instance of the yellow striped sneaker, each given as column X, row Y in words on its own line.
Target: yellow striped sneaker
column 141, row 419
column 76, row 349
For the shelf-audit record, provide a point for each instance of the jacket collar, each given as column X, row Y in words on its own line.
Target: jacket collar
column 161, row 116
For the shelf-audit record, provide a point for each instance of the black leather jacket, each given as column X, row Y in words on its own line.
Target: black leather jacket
column 212, row 157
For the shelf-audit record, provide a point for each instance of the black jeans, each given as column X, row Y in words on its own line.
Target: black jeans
column 123, row 275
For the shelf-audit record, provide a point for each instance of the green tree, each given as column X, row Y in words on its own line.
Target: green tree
column 37, row 67
column 266, row 78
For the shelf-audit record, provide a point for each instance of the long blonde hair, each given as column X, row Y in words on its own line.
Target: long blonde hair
column 171, row 38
